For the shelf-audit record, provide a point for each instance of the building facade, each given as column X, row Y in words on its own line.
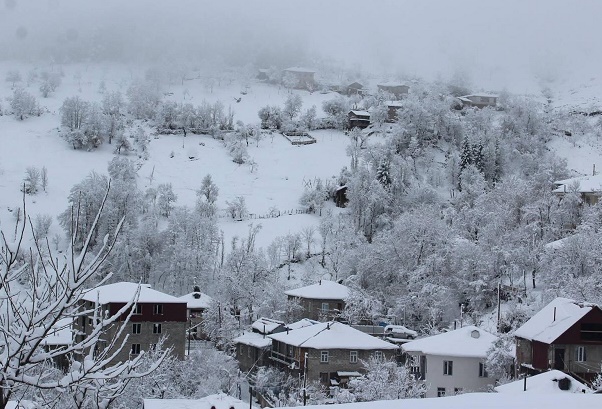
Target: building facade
column 322, row 301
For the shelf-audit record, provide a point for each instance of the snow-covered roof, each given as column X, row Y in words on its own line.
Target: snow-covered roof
column 546, row 382
column 302, row 323
column 557, row 244
column 481, row 400
column 61, row 333
column 124, row 292
column 332, row 335
column 193, row 303
column 469, row 341
column 266, row 325
column 359, row 112
column 391, row 84
column 553, row 320
column 592, row 183
column 253, row 339
column 299, row 69
column 218, row 401
column 480, row 95
column 323, row 290
column 23, row 404
column 394, row 104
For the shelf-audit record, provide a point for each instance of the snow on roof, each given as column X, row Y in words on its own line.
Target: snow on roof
column 124, row 292
column 302, row 323
column 332, row 335
column 468, row 341
column 480, row 95
column 219, row 401
column 299, row 69
column 266, row 325
column 557, row 244
column 202, row 302
column 61, row 333
column 323, row 290
column 391, row 84
column 394, row 104
column 359, row 112
column 464, row 99
column 546, row 382
column 553, row 320
column 253, row 339
column 482, row 400
column 585, row 184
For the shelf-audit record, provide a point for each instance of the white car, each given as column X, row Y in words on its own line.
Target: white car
column 399, row 331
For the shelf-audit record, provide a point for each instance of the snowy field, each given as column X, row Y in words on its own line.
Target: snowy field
column 275, row 183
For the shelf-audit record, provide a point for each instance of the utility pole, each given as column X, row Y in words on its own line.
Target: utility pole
column 305, row 379
column 499, row 311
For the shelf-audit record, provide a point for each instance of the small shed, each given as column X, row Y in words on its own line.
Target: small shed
column 358, row 119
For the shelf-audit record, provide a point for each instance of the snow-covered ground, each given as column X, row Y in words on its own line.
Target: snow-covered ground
column 275, row 183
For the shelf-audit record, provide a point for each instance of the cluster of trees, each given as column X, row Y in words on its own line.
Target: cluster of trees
column 290, row 117
column 204, row 118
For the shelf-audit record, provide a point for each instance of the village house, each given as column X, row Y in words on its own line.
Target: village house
column 392, row 108
column 589, row 188
column 452, row 362
column 299, row 78
column 358, row 119
column 329, row 352
column 196, row 305
column 155, row 315
column 60, row 337
column 253, row 347
column 322, row 301
column 396, row 89
column 262, row 74
column 355, row 88
column 218, row 401
column 565, row 335
column 479, row 100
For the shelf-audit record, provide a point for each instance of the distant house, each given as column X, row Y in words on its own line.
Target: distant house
column 61, row 336
column 340, row 196
column 355, row 88
column 322, row 301
column 196, row 305
column 479, row 100
column 358, row 119
column 589, row 188
column 329, row 352
column 396, row 89
column 155, row 315
column 565, row 335
column 553, row 381
column 392, row 108
column 219, row 401
column 451, row 362
column 262, row 74
column 300, row 78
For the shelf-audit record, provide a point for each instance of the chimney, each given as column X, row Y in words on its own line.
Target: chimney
column 328, row 325
column 320, row 282
column 554, row 314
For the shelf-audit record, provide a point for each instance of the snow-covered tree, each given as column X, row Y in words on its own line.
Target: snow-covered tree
column 23, row 104
column 13, row 77
column 292, row 106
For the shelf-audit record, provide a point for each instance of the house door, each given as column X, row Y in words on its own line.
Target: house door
column 559, row 359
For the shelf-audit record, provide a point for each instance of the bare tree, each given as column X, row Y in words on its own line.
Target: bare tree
column 38, row 292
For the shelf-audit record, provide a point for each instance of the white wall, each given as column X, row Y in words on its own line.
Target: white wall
column 465, row 375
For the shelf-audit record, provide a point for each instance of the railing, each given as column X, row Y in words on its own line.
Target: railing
column 284, row 359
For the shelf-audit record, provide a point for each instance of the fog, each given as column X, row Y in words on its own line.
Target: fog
column 496, row 43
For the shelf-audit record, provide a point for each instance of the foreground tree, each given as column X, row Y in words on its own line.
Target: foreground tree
column 40, row 294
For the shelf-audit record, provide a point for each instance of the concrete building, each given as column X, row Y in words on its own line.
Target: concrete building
column 479, row 100
column 329, row 352
column 452, row 362
column 196, row 305
column 322, row 301
column 155, row 315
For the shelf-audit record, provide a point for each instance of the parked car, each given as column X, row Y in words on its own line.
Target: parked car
column 399, row 331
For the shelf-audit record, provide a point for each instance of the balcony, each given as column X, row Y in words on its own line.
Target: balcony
column 287, row 360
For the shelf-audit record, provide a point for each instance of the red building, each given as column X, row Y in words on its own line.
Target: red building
column 565, row 335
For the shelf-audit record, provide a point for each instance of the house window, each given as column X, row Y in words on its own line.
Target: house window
column 482, row 370
column 158, row 309
column 324, row 377
column 136, row 328
column 591, row 332
column 440, row 392
column 324, row 356
column 353, row 357
column 378, row 355
column 137, row 309
column 448, row 367
column 135, row 349
column 580, row 354
column 156, row 328
column 240, row 348
column 325, row 306
column 458, row 391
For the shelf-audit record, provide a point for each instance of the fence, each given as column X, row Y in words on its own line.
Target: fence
column 299, row 138
column 269, row 215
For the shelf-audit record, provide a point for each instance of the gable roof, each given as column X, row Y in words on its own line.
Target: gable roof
column 253, row 339
column 553, row 320
column 302, row 323
column 469, row 342
column 202, row 302
column 266, row 325
column 332, row 335
column 323, row 290
column 585, row 184
column 124, row 292
column 546, row 382
column 359, row 112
